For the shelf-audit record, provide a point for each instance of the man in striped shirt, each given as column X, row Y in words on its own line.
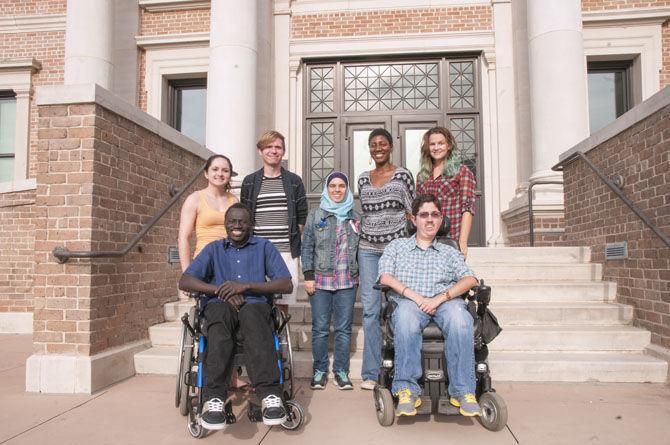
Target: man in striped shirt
column 278, row 203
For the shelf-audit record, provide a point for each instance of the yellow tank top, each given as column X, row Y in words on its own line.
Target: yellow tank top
column 209, row 223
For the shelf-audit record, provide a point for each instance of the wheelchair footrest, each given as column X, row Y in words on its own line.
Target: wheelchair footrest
column 445, row 407
column 426, row 406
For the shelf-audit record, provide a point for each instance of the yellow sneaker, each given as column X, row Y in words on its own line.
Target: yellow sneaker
column 407, row 403
column 468, row 405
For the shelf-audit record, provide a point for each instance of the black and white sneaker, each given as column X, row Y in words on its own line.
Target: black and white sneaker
column 213, row 417
column 319, row 380
column 342, row 380
column 273, row 410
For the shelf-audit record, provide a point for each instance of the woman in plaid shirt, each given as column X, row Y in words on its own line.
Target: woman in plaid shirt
column 444, row 176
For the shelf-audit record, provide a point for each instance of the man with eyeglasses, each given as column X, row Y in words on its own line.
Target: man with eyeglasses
column 426, row 279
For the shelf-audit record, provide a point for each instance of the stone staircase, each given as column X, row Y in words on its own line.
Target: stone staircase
column 560, row 323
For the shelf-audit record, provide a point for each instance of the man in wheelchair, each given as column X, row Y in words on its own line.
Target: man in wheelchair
column 426, row 280
column 232, row 272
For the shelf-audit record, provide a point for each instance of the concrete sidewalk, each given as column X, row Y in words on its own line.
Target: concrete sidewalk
column 141, row 411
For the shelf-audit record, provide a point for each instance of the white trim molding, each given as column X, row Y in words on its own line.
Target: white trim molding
column 186, row 39
column 394, row 44
column 165, row 63
column 626, row 16
column 16, row 76
column 32, row 23
column 173, row 5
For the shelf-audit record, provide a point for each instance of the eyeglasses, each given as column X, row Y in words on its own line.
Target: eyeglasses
column 425, row 215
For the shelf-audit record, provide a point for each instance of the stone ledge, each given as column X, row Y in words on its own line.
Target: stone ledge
column 16, row 323
column 76, row 374
column 94, row 93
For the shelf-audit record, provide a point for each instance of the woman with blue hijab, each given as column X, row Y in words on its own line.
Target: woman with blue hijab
column 330, row 265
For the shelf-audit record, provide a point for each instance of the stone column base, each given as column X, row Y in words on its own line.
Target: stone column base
column 16, row 323
column 76, row 374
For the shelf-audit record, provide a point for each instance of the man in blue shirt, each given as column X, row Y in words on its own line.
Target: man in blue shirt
column 427, row 278
column 235, row 271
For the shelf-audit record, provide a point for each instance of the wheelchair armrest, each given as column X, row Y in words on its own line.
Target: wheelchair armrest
column 381, row 287
column 482, row 294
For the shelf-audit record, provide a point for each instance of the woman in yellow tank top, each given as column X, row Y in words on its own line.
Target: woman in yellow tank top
column 204, row 210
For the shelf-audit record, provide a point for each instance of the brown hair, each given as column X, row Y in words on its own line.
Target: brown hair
column 269, row 136
column 230, row 164
column 452, row 161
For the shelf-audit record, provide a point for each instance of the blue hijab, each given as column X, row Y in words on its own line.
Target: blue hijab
column 339, row 209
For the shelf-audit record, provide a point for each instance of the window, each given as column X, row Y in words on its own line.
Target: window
column 7, row 135
column 188, row 107
column 609, row 87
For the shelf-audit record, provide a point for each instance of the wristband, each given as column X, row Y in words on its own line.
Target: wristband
column 402, row 294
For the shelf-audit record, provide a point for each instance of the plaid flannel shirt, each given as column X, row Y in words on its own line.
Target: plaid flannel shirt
column 456, row 194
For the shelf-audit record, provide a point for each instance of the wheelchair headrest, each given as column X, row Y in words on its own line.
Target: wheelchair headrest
column 442, row 232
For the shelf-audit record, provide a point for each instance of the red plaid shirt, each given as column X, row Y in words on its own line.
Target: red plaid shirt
column 456, row 194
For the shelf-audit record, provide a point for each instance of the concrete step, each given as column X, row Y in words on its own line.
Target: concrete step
column 539, row 272
column 165, row 334
column 161, row 360
column 571, row 338
column 505, row 366
column 517, row 255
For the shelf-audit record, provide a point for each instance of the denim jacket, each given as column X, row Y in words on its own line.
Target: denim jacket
column 319, row 243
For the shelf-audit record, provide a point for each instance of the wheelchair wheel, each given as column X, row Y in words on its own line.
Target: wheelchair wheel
column 196, row 430
column 295, row 417
column 384, row 406
column 494, row 411
column 286, row 352
column 185, row 364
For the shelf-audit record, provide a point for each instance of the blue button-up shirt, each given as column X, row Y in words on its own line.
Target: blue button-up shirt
column 222, row 261
column 428, row 272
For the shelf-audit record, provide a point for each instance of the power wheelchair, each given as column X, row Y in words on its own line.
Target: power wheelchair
column 435, row 381
column 190, row 375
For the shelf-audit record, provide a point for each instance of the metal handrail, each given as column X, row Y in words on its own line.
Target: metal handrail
column 616, row 190
column 531, row 217
column 62, row 254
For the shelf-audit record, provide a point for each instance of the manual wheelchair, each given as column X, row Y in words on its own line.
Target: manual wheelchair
column 190, row 376
column 435, row 381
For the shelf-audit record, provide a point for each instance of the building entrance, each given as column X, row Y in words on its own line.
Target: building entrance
column 345, row 101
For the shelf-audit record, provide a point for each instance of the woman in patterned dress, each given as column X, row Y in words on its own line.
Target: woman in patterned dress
column 444, row 176
column 386, row 194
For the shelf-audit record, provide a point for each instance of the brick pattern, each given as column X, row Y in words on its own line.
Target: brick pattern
column 548, row 229
column 141, row 84
column 595, row 215
column 19, row 220
column 174, row 22
column 401, row 21
column 665, row 70
column 31, row 7
column 100, row 177
column 599, row 5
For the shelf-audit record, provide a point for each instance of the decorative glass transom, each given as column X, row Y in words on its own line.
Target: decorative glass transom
column 412, row 86
column 464, row 130
column 462, row 85
column 321, row 90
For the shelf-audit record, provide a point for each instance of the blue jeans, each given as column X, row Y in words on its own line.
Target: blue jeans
column 325, row 303
column 456, row 324
column 368, row 266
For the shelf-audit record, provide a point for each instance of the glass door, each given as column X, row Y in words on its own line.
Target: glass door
column 356, row 158
column 410, row 131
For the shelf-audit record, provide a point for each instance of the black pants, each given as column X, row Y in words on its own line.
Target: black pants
column 255, row 324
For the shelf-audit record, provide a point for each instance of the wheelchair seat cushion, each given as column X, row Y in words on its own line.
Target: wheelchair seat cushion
column 432, row 332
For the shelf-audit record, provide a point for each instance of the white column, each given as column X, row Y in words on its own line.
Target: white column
column 557, row 68
column 231, row 82
column 89, row 41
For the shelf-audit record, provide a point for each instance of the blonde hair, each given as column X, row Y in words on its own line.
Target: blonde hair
column 269, row 136
column 451, row 164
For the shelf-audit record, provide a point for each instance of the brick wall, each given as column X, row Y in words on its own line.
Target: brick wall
column 599, row 5
column 32, row 7
column 665, row 71
column 548, row 228
column 401, row 21
column 173, row 22
column 100, row 177
column 595, row 215
column 17, row 213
